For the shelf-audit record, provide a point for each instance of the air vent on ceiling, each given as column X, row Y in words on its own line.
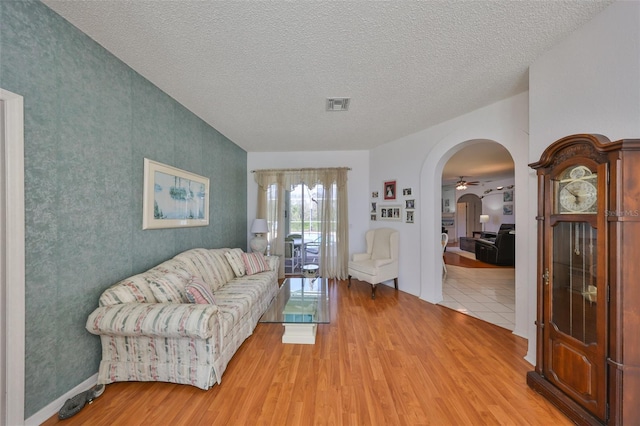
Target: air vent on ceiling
column 338, row 104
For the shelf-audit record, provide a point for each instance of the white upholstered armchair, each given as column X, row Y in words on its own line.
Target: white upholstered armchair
column 380, row 262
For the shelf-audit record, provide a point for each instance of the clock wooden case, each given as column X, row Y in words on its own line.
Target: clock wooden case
column 588, row 286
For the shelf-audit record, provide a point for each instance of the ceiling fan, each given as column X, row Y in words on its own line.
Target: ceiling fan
column 462, row 184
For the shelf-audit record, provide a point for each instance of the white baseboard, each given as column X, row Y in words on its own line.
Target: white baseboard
column 55, row 406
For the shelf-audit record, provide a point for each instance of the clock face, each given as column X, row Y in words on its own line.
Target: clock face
column 577, row 191
column 578, row 196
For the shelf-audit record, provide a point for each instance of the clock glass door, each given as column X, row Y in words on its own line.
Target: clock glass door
column 574, row 296
column 575, row 291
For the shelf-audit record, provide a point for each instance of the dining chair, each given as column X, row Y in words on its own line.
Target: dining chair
column 444, row 240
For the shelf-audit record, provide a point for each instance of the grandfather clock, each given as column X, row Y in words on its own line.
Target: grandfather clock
column 588, row 286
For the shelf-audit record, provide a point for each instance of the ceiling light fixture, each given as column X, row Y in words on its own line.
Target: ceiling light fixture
column 461, row 187
column 338, row 104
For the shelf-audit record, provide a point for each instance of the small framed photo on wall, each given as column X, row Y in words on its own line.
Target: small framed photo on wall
column 390, row 190
column 409, row 218
column 392, row 212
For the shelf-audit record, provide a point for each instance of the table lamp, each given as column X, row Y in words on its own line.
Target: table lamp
column 484, row 218
column 259, row 228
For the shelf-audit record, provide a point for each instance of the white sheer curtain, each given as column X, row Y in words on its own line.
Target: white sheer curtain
column 334, row 228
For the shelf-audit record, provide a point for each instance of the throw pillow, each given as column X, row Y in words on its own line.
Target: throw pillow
column 234, row 257
column 255, row 263
column 168, row 288
column 200, row 293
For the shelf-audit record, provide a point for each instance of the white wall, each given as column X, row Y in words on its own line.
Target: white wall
column 417, row 161
column 589, row 83
column 358, row 182
column 492, row 203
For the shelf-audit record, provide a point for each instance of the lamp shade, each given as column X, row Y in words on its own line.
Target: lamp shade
column 259, row 226
column 484, row 218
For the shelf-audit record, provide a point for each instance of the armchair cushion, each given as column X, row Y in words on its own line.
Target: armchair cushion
column 381, row 248
column 369, row 266
column 357, row 257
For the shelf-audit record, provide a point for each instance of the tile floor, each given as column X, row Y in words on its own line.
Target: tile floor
column 485, row 293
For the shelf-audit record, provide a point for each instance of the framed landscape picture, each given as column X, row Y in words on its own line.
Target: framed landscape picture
column 173, row 198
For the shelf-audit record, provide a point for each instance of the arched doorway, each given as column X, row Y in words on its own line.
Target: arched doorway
column 431, row 192
column 468, row 211
column 478, row 172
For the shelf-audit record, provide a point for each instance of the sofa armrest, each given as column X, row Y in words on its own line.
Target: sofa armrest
column 382, row 262
column 361, row 256
column 154, row 319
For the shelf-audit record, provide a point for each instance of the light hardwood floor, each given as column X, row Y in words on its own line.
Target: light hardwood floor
column 395, row 360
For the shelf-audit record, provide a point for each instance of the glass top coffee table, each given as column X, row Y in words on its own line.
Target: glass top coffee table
column 301, row 304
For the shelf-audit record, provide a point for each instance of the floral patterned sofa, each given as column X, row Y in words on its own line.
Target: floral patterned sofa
column 150, row 331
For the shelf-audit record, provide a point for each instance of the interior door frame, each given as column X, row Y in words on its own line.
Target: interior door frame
column 12, row 302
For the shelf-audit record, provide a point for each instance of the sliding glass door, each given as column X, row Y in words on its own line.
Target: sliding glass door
column 303, row 225
column 307, row 213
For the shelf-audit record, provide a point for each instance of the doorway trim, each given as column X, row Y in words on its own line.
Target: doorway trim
column 13, row 261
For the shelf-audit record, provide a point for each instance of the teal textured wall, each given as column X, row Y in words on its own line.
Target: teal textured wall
column 89, row 122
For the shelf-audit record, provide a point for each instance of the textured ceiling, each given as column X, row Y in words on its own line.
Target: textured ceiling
column 260, row 72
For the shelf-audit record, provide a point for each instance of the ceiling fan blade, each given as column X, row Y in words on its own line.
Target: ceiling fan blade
column 475, row 182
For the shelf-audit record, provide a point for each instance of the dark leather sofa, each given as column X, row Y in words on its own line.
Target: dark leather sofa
column 502, row 250
column 469, row 243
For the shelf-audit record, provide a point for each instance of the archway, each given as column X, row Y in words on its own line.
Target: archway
column 431, row 218
column 468, row 211
column 482, row 290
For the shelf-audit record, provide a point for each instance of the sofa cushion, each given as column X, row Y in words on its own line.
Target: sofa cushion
column 134, row 289
column 222, row 265
column 237, row 299
column 199, row 292
column 171, row 266
column 168, row 288
column 255, row 263
column 234, row 256
column 210, row 265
